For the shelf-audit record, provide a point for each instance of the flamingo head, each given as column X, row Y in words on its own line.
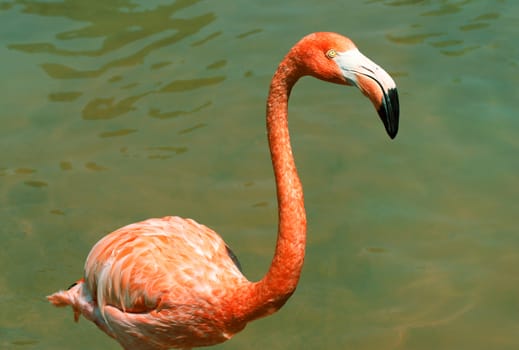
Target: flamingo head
column 335, row 58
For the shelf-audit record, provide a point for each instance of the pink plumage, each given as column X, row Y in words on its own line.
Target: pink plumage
column 173, row 283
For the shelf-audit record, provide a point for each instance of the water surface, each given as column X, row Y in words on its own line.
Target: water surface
column 117, row 111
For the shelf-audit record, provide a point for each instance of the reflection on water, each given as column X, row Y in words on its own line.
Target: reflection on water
column 121, row 110
column 121, row 132
column 114, row 27
column 452, row 35
column 156, row 113
column 119, row 23
column 165, row 152
column 33, row 183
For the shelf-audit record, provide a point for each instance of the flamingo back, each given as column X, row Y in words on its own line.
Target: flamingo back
column 163, row 278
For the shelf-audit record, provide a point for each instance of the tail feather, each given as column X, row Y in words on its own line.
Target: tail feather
column 60, row 299
column 67, row 297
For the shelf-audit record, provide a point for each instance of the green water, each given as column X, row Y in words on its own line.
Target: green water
column 116, row 111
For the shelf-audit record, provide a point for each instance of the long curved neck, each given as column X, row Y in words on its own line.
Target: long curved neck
column 269, row 294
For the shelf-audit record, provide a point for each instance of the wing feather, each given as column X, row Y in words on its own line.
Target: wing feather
column 139, row 266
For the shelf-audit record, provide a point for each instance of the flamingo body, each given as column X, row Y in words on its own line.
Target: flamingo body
column 173, row 283
column 160, row 281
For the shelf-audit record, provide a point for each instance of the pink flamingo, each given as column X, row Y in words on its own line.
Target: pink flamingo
column 173, row 283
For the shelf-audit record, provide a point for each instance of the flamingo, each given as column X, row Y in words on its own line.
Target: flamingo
column 172, row 283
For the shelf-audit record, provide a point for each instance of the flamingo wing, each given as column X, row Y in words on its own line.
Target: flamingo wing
column 164, row 278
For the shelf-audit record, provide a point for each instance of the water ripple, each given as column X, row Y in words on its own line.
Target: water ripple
column 412, row 39
column 108, row 108
column 453, row 19
column 118, row 28
column 116, row 133
column 157, row 113
column 206, row 39
column 123, row 36
column 191, row 84
column 36, row 183
column 164, row 152
column 94, row 166
column 249, row 33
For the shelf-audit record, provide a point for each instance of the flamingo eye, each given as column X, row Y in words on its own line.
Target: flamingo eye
column 331, row 53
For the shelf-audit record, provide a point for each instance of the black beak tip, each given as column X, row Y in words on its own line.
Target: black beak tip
column 389, row 112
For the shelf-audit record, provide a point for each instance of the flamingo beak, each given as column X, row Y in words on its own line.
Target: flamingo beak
column 375, row 83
